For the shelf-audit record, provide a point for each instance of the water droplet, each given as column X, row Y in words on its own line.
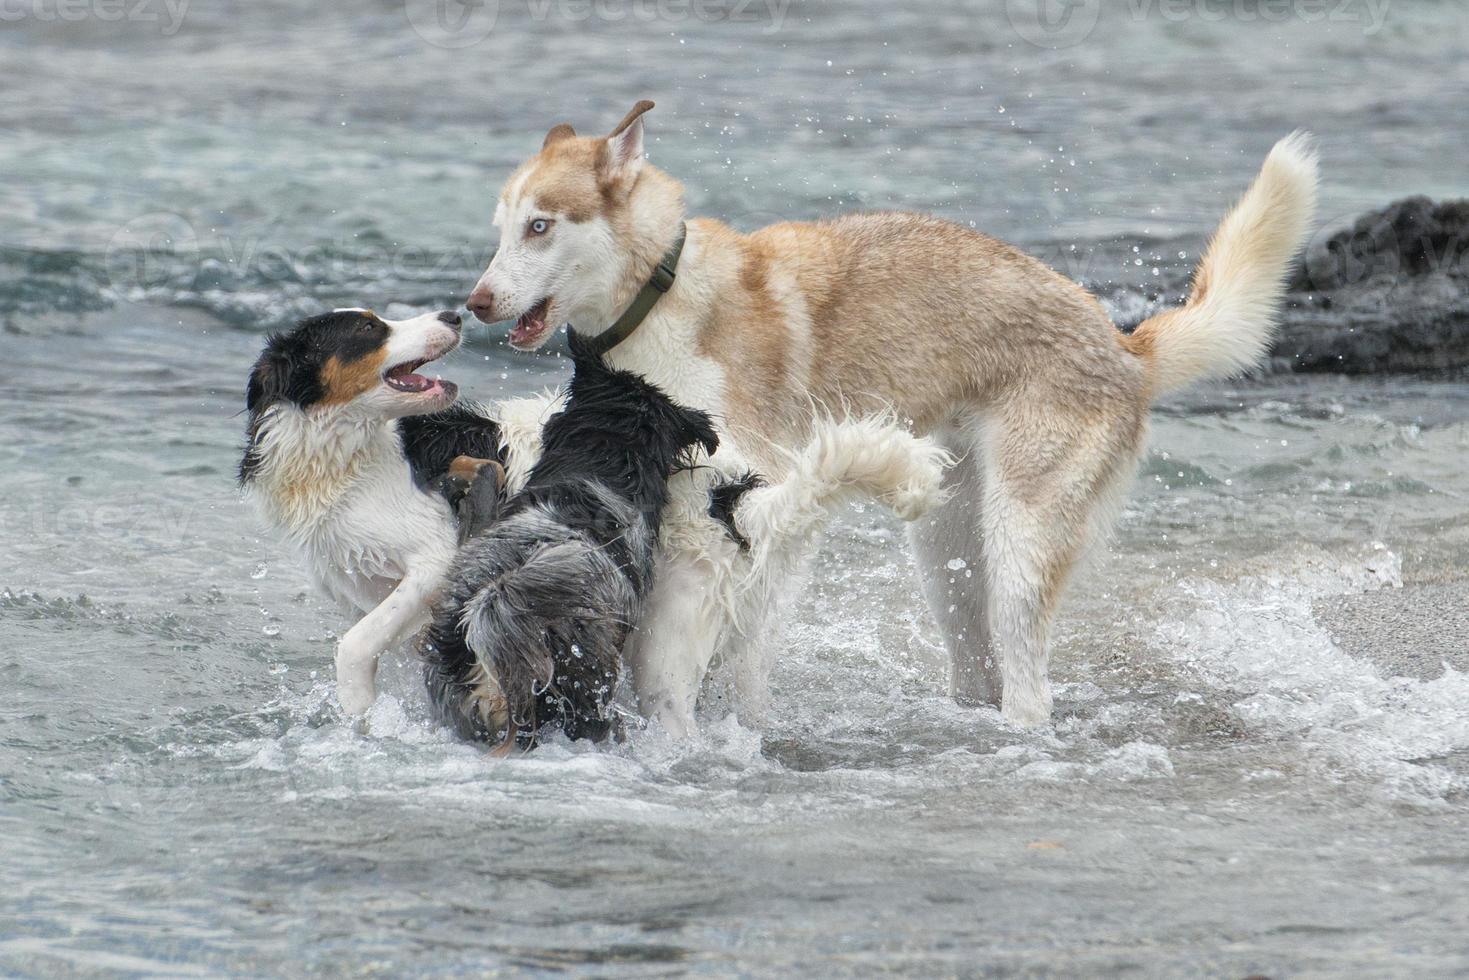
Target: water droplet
column 261, row 570
column 957, row 563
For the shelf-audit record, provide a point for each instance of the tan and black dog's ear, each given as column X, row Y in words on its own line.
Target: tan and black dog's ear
column 270, row 379
column 625, row 144
column 559, row 132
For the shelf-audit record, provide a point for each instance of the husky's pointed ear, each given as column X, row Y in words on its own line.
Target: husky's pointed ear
column 559, row 132
column 625, row 144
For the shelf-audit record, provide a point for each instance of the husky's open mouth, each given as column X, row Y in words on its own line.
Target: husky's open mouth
column 531, row 327
column 404, row 377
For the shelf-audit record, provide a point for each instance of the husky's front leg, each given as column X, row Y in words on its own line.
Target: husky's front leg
column 404, row 611
column 671, row 649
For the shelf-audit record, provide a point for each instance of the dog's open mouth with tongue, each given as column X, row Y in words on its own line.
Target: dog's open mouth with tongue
column 532, row 326
column 405, row 378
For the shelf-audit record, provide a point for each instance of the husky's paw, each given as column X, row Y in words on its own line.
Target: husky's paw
column 1028, row 710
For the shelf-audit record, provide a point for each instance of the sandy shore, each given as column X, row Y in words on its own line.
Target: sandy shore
column 1409, row 632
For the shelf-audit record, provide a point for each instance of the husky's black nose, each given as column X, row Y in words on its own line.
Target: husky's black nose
column 451, row 318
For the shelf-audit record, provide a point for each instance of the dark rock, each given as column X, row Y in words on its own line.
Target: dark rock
column 1387, row 293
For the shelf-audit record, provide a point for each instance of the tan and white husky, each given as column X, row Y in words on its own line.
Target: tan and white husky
column 1017, row 369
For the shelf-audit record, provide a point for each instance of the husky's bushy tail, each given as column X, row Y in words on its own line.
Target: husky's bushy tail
column 844, row 460
column 1228, row 322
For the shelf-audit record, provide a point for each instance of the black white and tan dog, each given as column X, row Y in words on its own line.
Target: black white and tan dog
column 348, row 452
column 344, row 457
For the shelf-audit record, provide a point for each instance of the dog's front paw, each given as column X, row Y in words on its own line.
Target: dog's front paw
column 355, row 701
column 467, row 468
column 356, row 683
column 475, row 489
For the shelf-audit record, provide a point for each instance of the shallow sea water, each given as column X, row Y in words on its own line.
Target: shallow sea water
column 1260, row 756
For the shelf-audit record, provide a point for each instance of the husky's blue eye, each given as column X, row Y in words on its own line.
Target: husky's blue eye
column 539, row 226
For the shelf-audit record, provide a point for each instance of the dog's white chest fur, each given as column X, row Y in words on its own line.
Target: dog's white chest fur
column 350, row 506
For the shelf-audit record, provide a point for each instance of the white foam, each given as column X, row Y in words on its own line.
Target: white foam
column 1130, row 761
column 1257, row 641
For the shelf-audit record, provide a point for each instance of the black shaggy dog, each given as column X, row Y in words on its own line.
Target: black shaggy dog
column 530, row 628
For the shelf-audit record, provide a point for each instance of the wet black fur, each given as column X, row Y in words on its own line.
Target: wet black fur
column 619, row 434
column 618, row 430
column 432, row 441
column 725, row 497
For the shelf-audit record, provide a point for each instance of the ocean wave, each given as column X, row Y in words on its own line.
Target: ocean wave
column 260, row 282
column 254, row 288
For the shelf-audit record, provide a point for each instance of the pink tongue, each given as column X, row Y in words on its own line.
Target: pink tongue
column 525, row 330
column 412, row 382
